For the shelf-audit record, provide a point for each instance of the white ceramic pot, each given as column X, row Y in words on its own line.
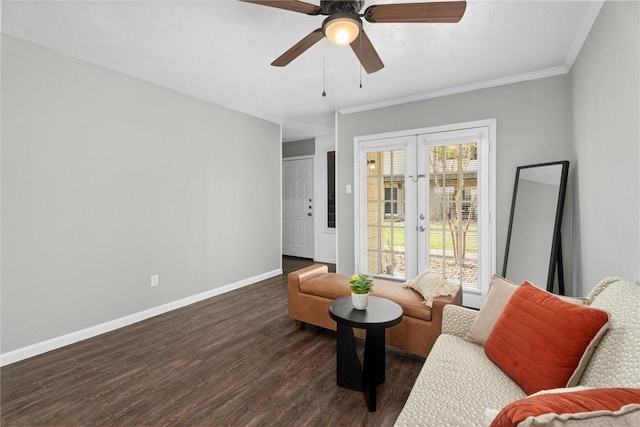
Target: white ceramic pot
column 360, row 301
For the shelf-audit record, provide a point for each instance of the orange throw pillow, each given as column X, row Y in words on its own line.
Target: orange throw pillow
column 542, row 342
column 577, row 405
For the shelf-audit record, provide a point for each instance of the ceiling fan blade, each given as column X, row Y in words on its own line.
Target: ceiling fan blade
column 434, row 12
column 366, row 53
column 297, row 49
column 292, row 5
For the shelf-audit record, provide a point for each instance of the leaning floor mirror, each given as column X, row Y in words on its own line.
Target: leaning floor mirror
column 534, row 249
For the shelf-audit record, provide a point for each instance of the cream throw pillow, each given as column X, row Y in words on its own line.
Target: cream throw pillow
column 500, row 290
column 431, row 285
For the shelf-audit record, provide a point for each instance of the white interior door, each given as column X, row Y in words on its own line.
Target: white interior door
column 297, row 207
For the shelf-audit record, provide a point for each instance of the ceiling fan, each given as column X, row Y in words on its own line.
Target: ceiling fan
column 343, row 24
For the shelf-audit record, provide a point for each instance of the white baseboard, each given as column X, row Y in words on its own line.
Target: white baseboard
column 73, row 337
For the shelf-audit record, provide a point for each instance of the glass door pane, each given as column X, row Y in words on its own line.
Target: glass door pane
column 385, row 214
column 452, row 236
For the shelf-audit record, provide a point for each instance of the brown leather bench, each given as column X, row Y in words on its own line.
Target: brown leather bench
column 313, row 288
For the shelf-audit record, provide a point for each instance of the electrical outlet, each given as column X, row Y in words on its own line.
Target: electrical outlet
column 154, row 280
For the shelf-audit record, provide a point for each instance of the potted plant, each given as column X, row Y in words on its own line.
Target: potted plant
column 361, row 287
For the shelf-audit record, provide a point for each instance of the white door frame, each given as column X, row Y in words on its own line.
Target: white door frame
column 325, row 237
column 396, row 140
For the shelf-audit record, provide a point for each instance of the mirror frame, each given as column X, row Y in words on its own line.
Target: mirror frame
column 555, row 258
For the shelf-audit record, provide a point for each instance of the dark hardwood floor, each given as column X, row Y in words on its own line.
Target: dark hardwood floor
column 232, row 360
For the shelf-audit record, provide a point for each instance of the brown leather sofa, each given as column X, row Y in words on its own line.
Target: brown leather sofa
column 313, row 288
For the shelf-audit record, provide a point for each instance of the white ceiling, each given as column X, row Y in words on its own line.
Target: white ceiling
column 220, row 51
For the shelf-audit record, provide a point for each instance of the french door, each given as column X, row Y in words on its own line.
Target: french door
column 423, row 200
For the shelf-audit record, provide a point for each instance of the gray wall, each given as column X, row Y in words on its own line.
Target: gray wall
column 605, row 143
column 590, row 116
column 532, row 126
column 107, row 180
column 304, row 147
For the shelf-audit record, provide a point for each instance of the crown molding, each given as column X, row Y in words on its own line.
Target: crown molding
column 581, row 35
column 548, row 72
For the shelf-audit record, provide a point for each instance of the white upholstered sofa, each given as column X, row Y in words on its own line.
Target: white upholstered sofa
column 460, row 386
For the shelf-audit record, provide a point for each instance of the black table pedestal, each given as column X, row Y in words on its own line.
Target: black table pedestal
column 365, row 377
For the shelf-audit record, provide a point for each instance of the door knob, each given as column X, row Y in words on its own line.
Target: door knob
column 309, row 214
column 421, row 228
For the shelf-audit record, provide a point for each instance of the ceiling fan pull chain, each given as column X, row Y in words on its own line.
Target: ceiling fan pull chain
column 324, row 83
column 360, row 63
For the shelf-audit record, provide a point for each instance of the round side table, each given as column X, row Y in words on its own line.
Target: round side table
column 380, row 314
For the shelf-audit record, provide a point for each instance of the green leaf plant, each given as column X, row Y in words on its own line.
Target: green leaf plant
column 361, row 284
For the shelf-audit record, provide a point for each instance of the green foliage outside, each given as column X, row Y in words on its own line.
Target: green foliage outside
column 437, row 238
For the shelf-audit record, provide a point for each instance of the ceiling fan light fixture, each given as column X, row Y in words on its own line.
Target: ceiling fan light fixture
column 342, row 30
